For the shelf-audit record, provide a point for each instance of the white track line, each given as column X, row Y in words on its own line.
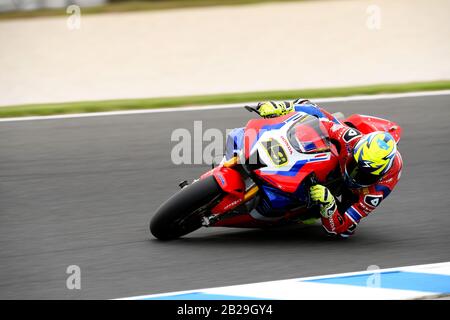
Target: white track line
column 226, row 106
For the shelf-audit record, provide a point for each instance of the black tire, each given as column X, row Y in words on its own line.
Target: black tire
column 183, row 212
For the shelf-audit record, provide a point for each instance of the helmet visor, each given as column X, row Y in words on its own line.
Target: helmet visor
column 357, row 176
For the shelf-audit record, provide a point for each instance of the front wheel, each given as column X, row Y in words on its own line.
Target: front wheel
column 183, row 212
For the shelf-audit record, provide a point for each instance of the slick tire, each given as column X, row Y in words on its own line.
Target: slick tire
column 183, row 212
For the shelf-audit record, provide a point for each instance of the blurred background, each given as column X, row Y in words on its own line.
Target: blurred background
column 140, row 49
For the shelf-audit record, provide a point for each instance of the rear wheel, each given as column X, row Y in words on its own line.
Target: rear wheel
column 183, row 212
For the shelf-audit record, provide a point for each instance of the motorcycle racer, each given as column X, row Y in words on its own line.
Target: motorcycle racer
column 370, row 165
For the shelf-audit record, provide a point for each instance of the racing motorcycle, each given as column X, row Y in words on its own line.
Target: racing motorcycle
column 264, row 178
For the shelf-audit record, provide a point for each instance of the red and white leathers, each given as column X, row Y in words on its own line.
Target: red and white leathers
column 356, row 203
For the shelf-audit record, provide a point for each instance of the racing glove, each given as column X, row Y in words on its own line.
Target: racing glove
column 325, row 199
column 270, row 109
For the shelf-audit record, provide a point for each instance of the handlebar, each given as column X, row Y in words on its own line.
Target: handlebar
column 253, row 109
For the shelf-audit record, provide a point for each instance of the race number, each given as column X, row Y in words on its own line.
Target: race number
column 276, row 152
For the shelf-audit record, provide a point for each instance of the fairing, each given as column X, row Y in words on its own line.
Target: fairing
column 286, row 164
column 368, row 124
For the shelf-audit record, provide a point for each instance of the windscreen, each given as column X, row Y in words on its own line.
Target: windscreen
column 308, row 135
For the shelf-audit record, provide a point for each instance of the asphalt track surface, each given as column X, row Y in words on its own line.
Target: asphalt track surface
column 81, row 192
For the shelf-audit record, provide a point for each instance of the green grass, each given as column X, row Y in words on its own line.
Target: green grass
column 128, row 6
column 172, row 102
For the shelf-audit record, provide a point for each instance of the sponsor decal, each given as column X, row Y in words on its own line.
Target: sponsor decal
column 388, row 181
column 331, row 221
column 373, row 201
column 365, row 208
column 222, row 180
column 287, row 144
column 351, row 134
column 232, row 204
